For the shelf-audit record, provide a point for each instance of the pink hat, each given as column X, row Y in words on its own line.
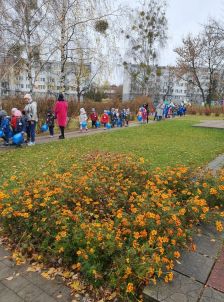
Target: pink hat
column 18, row 113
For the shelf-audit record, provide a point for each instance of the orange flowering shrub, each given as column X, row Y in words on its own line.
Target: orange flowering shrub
column 109, row 218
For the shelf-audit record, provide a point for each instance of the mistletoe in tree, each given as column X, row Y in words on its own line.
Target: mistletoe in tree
column 146, row 36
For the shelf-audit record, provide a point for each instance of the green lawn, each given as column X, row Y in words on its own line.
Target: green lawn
column 161, row 144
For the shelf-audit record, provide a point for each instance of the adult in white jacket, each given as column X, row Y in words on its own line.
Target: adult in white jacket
column 31, row 114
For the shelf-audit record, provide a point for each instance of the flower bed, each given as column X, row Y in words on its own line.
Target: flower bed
column 109, row 218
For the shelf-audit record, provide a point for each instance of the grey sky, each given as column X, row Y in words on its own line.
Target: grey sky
column 186, row 16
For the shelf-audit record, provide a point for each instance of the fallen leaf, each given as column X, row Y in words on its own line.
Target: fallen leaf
column 9, row 278
column 77, row 286
column 112, row 296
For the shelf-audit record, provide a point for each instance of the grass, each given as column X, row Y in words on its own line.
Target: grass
column 161, row 144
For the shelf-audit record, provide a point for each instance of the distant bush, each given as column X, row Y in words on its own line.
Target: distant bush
column 201, row 110
column 44, row 104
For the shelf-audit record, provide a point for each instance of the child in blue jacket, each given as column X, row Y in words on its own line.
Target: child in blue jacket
column 5, row 127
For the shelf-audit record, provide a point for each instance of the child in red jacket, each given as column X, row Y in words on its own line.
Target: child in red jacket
column 105, row 119
column 94, row 118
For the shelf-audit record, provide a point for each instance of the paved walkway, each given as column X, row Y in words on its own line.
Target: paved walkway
column 19, row 285
column 41, row 139
column 219, row 124
column 198, row 276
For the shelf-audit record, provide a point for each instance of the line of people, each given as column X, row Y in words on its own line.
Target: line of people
column 169, row 110
column 20, row 122
column 109, row 119
column 25, row 121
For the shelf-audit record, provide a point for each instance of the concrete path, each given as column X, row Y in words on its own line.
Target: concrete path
column 198, row 276
column 42, row 139
column 219, row 124
column 18, row 285
column 216, row 164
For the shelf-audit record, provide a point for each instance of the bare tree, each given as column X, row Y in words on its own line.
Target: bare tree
column 148, row 33
column 21, row 22
column 73, row 21
column 200, row 61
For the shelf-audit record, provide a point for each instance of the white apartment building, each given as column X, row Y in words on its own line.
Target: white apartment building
column 46, row 81
column 165, row 84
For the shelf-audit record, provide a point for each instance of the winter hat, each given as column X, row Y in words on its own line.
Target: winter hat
column 13, row 111
column 82, row 111
column 105, row 111
column 3, row 113
column 93, row 109
column 18, row 113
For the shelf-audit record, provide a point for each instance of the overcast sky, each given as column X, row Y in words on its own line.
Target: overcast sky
column 186, row 16
column 183, row 16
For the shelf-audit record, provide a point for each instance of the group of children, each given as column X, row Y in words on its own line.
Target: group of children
column 169, row 109
column 14, row 124
column 18, row 123
column 109, row 119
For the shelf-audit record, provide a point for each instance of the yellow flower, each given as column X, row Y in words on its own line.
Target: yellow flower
column 153, row 233
column 130, row 288
column 141, row 160
column 176, row 254
column 119, row 213
column 159, row 272
column 205, row 209
column 213, row 191
column 219, row 226
column 182, row 211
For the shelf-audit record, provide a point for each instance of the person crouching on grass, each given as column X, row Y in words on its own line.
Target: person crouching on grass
column 5, row 127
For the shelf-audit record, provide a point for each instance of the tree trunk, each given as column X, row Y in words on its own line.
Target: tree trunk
column 78, row 95
column 63, row 47
column 29, row 48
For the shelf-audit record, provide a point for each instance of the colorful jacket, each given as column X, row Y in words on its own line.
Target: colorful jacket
column 61, row 110
column 105, row 118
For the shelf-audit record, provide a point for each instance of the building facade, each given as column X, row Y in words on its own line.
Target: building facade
column 164, row 83
column 46, row 81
